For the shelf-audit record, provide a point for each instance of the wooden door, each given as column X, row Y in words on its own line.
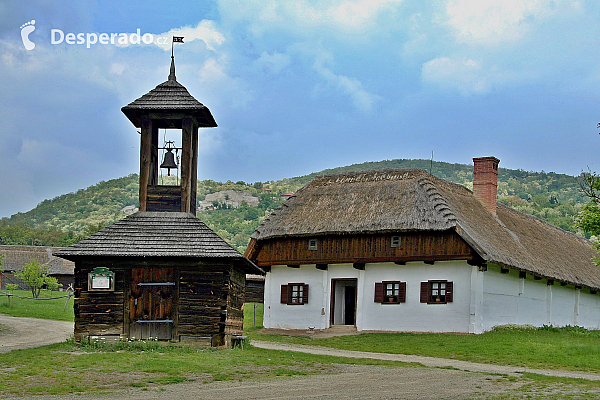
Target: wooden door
column 350, row 305
column 343, row 301
column 151, row 310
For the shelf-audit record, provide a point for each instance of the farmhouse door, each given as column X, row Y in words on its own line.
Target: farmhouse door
column 151, row 310
column 343, row 301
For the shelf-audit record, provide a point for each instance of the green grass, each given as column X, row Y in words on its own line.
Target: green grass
column 44, row 309
column 71, row 368
column 250, row 321
column 550, row 388
column 565, row 348
column 103, row 368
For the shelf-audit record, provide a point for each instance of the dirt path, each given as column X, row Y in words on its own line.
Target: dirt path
column 427, row 361
column 24, row 333
column 351, row 382
column 468, row 381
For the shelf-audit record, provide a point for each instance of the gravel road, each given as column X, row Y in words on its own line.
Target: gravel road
column 444, row 379
column 351, row 382
column 24, row 333
column 427, row 361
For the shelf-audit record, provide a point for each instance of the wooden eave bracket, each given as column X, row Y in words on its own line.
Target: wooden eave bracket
column 359, row 266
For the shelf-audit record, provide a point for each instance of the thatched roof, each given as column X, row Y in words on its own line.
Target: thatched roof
column 15, row 257
column 169, row 97
column 411, row 200
column 157, row 234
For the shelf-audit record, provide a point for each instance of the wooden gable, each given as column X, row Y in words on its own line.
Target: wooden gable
column 332, row 249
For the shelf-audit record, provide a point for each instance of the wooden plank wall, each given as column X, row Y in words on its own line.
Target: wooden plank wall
column 98, row 313
column 234, row 324
column 364, row 248
column 163, row 198
column 209, row 306
column 202, row 300
column 255, row 291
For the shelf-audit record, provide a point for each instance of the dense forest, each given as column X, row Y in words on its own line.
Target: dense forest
column 66, row 219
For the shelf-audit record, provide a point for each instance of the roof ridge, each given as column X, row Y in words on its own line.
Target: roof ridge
column 440, row 204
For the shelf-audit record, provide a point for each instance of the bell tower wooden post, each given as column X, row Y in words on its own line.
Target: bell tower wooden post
column 189, row 163
column 148, row 158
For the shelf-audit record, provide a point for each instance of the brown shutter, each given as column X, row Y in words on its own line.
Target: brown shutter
column 424, row 292
column 402, row 293
column 449, row 292
column 284, row 294
column 305, row 294
column 378, row 292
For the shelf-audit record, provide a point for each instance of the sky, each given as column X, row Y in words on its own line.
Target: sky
column 297, row 86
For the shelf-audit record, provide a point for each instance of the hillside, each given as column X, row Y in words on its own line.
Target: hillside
column 65, row 219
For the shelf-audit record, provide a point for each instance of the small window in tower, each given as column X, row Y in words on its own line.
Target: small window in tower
column 313, row 244
column 396, row 241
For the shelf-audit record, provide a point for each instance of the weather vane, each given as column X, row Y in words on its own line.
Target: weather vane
column 176, row 39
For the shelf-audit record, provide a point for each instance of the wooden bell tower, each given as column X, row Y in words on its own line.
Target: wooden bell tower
column 161, row 273
column 168, row 106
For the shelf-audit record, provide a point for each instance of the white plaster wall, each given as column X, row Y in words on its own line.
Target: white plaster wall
column 409, row 316
column 563, row 305
column 283, row 316
column 589, row 310
column 414, row 315
column 481, row 301
column 508, row 299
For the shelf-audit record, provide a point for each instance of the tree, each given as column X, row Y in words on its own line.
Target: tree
column 1, row 270
column 34, row 275
column 10, row 287
column 52, row 284
column 589, row 216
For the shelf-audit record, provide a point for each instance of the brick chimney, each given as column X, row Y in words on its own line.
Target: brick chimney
column 485, row 181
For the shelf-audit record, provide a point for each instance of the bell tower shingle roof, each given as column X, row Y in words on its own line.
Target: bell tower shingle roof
column 167, row 98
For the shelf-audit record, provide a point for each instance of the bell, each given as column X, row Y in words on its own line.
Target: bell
column 169, row 162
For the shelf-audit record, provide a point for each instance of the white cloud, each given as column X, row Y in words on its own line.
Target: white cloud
column 224, row 88
column 350, row 86
column 301, row 15
column 466, row 75
column 38, row 154
column 117, row 68
column 212, row 71
column 209, row 141
column 358, row 13
column 492, row 22
column 205, row 31
column 273, row 62
column 361, row 99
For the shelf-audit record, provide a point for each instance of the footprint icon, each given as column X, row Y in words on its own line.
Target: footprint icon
column 26, row 29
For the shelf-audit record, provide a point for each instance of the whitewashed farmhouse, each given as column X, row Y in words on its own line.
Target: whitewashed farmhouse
column 401, row 250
